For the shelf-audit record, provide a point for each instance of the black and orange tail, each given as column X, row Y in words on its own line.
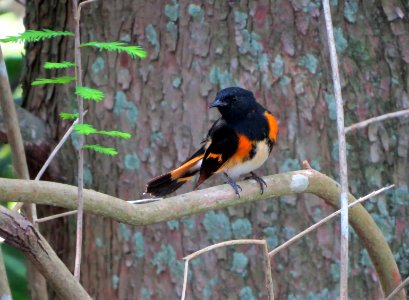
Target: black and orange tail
column 167, row 183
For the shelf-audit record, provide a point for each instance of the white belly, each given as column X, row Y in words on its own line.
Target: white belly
column 262, row 152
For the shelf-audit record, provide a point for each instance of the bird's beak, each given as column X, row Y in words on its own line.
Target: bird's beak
column 217, row 103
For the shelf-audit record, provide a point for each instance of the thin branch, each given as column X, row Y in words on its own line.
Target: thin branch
column 56, row 216
column 83, row 4
column 56, row 149
column 342, row 154
column 398, row 289
column 5, row 292
column 326, row 219
column 185, row 273
column 223, row 244
column 363, row 124
column 266, row 261
column 143, row 201
column 218, row 197
column 267, row 271
column 79, row 82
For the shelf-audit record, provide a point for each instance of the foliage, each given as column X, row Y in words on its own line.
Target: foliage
column 87, row 129
column 58, row 65
column 16, row 271
column 35, row 36
column 56, row 80
column 68, row 116
column 89, row 93
column 101, row 149
column 133, row 51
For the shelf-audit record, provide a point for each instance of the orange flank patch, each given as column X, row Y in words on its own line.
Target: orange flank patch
column 272, row 125
column 178, row 172
column 243, row 151
column 216, row 156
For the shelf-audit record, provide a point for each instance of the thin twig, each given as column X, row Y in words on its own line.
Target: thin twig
column 267, row 268
column 56, row 149
column 56, row 216
column 267, row 271
column 143, row 201
column 398, row 288
column 4, row 283
column 185, row 273
column 343, row 288
column 326, row 219
column 363, row 124
column 223, row 244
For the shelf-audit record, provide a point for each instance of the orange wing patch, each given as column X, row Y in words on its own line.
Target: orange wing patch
column 216, row 156
column 272, row 125
column 176, row 173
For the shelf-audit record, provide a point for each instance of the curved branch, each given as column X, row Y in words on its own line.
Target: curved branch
column 20, row 233
column 303, row 181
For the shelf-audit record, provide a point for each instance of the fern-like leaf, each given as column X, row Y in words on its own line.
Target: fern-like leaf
column 133, row 51
column 56, row 80
column 35, row 36
column 85, row 129
column 120, row 134
column 101, row 149
column 58, row 65
column 89, row 94
column 68, row 116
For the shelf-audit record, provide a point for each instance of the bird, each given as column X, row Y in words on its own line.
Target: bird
column 238, row 143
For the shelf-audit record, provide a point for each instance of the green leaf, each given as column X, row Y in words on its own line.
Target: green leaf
column 120, row 134
column 101, row 149
column 58, row 65
column 68, row 116
column 133, row 51
column 89, row 94
column 35, row 36
column 56, row 80
column 85, row 129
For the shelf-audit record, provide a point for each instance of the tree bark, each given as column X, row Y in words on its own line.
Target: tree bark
column 278, row 50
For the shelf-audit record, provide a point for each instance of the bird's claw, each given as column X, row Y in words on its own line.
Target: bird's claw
column 234, row 185
column 258, row 179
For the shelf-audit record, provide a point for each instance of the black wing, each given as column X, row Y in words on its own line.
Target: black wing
column 221, row 144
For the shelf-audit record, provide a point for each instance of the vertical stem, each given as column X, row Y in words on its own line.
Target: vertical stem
column 4, row 284
column 78, row 73
column 342, row 153
column 267, row 271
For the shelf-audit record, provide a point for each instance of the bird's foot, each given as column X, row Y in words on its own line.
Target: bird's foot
column 260, row 180
column 233, row 184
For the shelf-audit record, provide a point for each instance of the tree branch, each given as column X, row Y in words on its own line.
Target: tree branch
column 399, row 287
column 20, row 233
column 363, row 124
column 303, row 181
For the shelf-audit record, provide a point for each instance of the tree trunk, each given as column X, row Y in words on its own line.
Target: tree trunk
column 278, row 50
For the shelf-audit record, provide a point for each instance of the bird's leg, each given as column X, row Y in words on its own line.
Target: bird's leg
column 233, row 184
column 257, row 178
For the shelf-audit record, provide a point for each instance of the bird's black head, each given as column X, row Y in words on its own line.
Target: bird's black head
column 234, row 103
